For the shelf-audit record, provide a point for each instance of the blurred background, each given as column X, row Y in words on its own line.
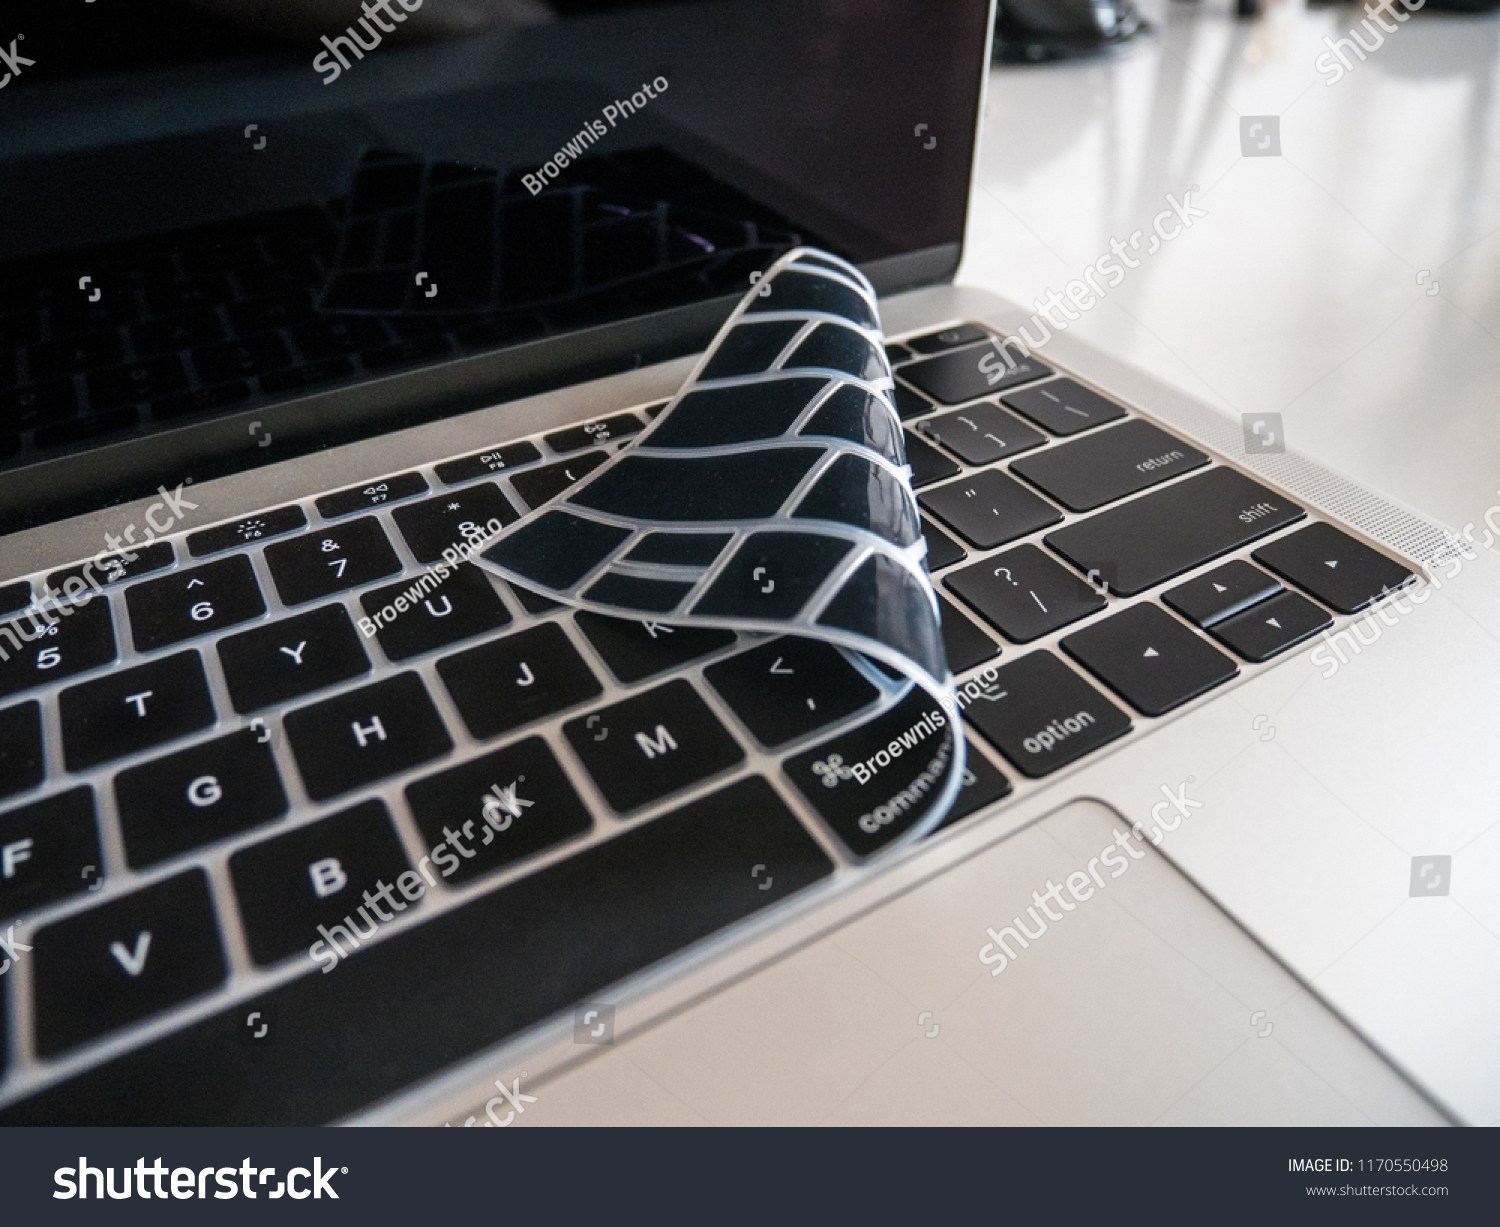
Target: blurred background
column 1351, row 283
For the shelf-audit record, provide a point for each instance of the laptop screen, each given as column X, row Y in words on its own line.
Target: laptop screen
column 336, row 218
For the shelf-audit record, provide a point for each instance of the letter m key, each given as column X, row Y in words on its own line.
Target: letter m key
column 660, row 743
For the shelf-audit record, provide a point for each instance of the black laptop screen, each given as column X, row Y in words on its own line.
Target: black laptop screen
column 211, row 209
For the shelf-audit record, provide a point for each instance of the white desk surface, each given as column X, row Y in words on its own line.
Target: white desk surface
column 1298, row 294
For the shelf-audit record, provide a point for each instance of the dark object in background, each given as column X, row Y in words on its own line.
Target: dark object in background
column 1034, row 31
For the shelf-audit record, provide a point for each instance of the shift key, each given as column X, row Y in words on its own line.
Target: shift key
column 1138, row 545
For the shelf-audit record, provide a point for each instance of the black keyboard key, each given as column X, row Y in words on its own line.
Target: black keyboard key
column 982, row 785
column 942, row 550
column 80, row 352
column 501, row 685
column 32, row 653
column 291, row 657
column 636, row 650
column 982, row 433
column 989, row 508
column 1043, row 716
column 1334, row 567
column 299, row 888
column 125, row 960
column 22, row 764
column 1025, row 593
column 432, row 611
column 1149, row 657
column 1222, row 593
column 134, row 709
column 1273, row 626
column 193, row 602
column 1088, row 473
column 453, row 519
column 48, row 850
column 964, row 644
column 790, row 687
column 463, row 981
column 139, row 381
column 365, row 735
column 1063, row 406
column 252, row 355
column 968, row 374
column 331, row 560
column 919, row 729
column 595, row 434
column 1138, row 545
column 203, row 794
column 909, row 404
column 482, row 464
column 107, row 569
column 259, row 527
column 372, row 494
column 948, row 338
column 650, row 746
column 896, row 352
column 38, row 404
column 927, row 463
column 496, row 810
column 542, row 485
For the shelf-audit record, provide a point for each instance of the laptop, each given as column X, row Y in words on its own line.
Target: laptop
column 300, row 303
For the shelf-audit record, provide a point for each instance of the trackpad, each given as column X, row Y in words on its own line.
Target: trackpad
column 1117, row 993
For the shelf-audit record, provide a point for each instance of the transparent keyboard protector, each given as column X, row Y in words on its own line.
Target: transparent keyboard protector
column 772, row 496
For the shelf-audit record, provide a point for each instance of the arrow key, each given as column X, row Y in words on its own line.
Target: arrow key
column 1150, row 658
column 110, row 966
column 1272, row 626
column 1222, row 593
column 1333, row 566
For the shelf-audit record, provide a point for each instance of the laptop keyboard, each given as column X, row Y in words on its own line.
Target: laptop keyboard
column 211, row 763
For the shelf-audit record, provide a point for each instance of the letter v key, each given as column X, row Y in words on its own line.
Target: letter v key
column 134, row 962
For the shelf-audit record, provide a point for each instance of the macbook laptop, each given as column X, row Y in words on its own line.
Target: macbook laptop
column 310, row 817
